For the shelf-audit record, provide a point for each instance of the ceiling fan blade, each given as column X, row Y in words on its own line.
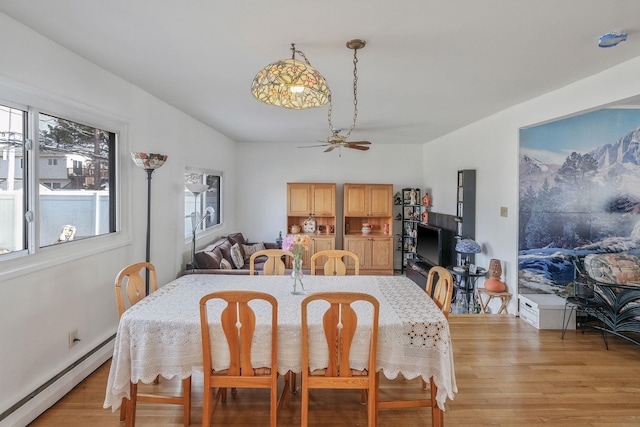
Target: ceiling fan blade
column 359, row 142
column 357, row 147
column 330, row 149
column 312, row 146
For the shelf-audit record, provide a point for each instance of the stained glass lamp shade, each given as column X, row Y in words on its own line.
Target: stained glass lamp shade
column 291, row 83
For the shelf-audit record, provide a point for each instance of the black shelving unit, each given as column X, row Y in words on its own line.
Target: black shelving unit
column 466, row 207
column 411, row 214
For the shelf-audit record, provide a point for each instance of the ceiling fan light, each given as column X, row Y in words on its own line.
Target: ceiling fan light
column 289, row 83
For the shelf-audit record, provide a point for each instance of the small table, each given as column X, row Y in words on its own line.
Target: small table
column 504, row 296
column 465, row 283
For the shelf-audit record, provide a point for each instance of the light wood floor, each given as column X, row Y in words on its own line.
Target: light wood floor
column 508, row 374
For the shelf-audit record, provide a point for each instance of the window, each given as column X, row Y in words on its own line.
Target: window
column 202, row 191
column 70, row 197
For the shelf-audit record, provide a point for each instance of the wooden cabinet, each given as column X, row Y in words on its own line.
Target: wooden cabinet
column 372, row 204
column 375, row 253
column 316, row 199
column 368, row 200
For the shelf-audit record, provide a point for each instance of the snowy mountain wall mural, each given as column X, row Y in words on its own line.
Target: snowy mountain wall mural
column 579, row 194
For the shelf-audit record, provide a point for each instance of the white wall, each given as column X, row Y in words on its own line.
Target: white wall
column 491, row 147
column 264, row 170
column 44, row 296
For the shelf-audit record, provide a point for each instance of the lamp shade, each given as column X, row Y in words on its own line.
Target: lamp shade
column 290, row 83
column 196, row 188
column 468, row 246
column 148, row 160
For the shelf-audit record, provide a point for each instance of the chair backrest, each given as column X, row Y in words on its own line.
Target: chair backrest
column 443, row 290
column 274, row 266
column 335, row 266
column 339, row 323
column 238, row 321
column 130, row 278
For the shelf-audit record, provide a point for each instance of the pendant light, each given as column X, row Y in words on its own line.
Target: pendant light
column 291, row 83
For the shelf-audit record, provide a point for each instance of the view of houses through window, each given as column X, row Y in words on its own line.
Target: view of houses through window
column 63, row 183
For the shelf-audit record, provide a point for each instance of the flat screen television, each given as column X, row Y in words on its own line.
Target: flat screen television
column 429, row 246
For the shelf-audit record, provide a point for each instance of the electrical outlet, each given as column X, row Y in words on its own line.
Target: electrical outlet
column 73, row 338
column 504, row 211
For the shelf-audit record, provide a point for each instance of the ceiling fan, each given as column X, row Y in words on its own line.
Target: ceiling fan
column 336, row 140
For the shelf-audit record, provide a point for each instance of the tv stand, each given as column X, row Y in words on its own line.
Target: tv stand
column 418, row 272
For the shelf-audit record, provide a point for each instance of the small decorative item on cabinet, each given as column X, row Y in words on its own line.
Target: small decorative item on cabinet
column 366, row 228
column 295, row 229
column 425, row 216
column 279, row 240
column 413, row 196
column 386, row 229
column 309, row 225
column 426, row 200
column 397, row 199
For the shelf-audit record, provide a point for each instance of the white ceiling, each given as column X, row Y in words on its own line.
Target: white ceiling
column 429, row 66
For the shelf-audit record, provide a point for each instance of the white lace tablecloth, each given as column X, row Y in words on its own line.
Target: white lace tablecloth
column 161, row 334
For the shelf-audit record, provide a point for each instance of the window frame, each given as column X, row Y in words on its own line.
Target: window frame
column 33, row 257
column 202, row 229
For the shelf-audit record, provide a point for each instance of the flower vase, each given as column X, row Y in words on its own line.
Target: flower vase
column 296, row 275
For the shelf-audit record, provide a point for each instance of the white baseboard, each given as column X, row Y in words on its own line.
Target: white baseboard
column 28, row 412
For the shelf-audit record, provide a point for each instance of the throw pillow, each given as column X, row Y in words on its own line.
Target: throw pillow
column 236, row 238
column 225, row 265
column 251, row 249
column 209, row 259
column 225, row 248
column 236, row 256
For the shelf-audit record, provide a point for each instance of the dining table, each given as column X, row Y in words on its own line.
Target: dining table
column 160, row 335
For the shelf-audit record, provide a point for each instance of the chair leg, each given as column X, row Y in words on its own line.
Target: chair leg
column 131, row 412
column 123, row 409
column 186, row 400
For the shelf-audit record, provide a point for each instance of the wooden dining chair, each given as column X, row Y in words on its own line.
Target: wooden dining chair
column 335, row 266
column 339, row 324
column 130, row 282
column 443, row 290
column 274, row 265
column 238, row 321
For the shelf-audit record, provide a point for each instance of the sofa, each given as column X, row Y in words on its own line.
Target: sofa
column 228, row 255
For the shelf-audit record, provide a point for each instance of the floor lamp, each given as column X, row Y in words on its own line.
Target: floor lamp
column 196, row 189
column 149, row 162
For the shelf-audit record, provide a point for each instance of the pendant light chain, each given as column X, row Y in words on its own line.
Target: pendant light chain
column 355, row 98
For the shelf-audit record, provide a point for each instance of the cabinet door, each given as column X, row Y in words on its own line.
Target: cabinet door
column 321, row 244
column 355, row 200
column 360, row 247
column 380, row 200
column 381, row 254
column 323, row 198
column 299, row 200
